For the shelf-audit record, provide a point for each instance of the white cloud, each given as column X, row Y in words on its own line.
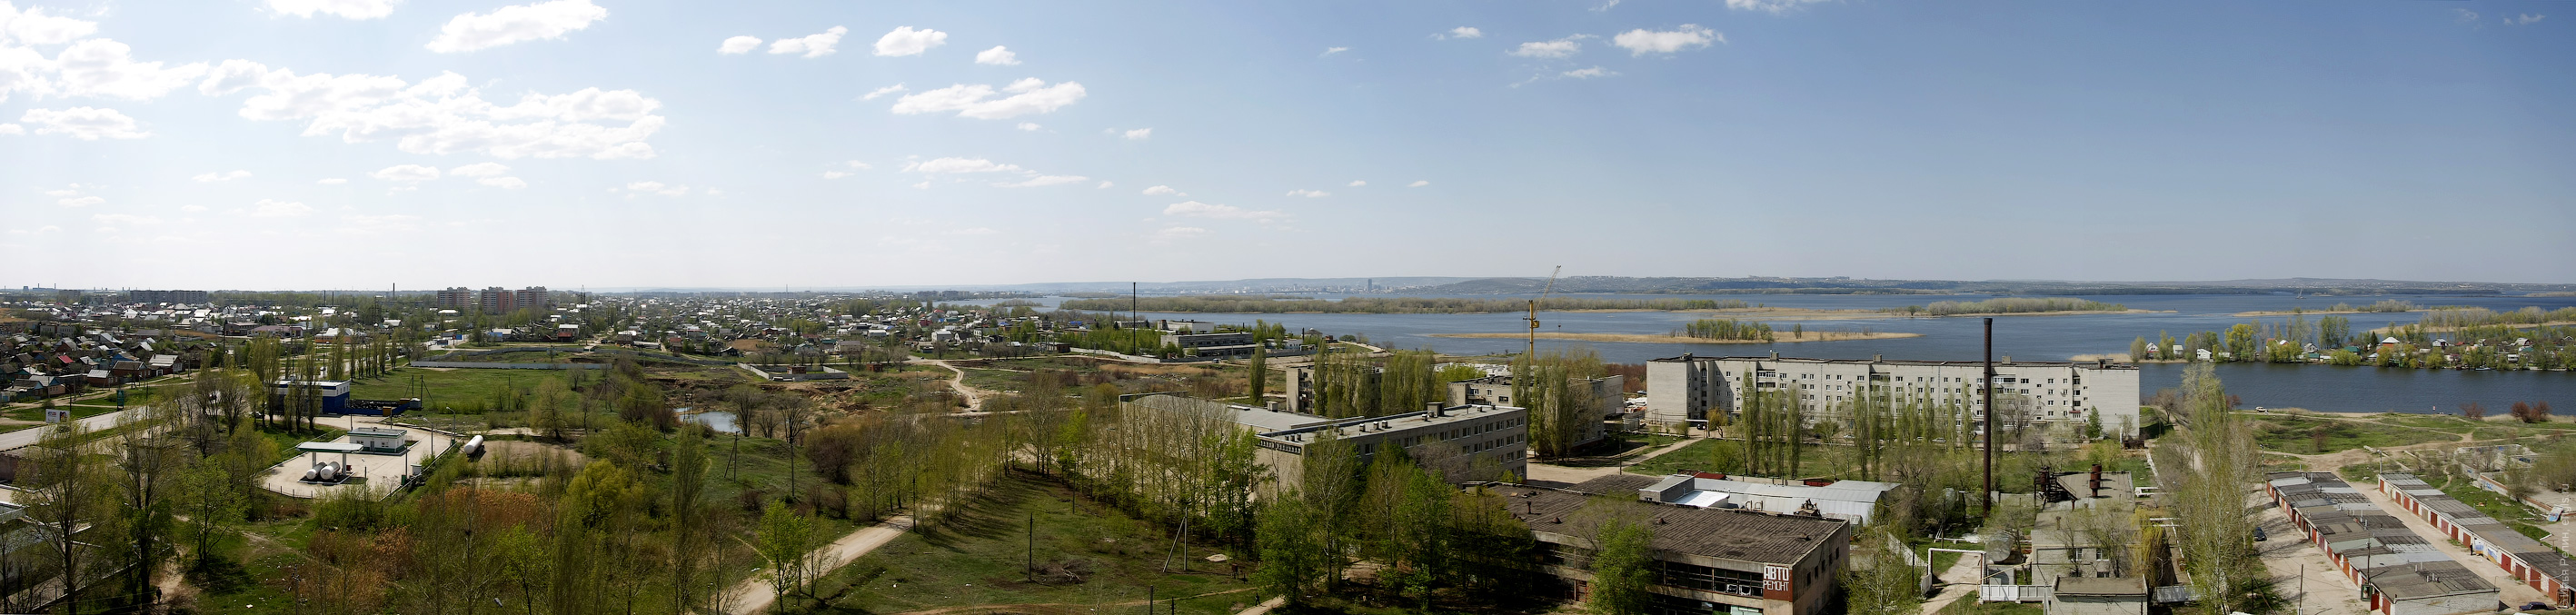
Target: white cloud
column 925, row 185
column 442, row 115
column 74, row 190
column 505, row 183
column 1642, row 41
column 14, row 129
column 231, row 76
column 1559, row 48
column 1775, row 7
column 106, row 68
column 84, row 123
column 1357, row 183
column 1106, row 184
column 226, row 176
column 1162, row 191
column 1461, row 32
column 812, row 45
column 1589, row 73
column 653, row 187
column 332, row 181
column 125, row 219
column 1027, row 96
column 905, row 41
column 377, row 224
column 515, row 24
column 2467, row 16
column 937, row 166
column 873, row 94
column 1045, row 180
column 351, row 9
column 1029, row 126
column 1418, row 183
column 280, row 209
column 2525, row 18
column 1139, row 134
column 1312, row 194
column 980, row 230
column 1605, row 6
column 34, row 27
column 83, row 201
column 1334, row 50
column 836, row 174
column 1178, row 232
column 192, row 208
column 406, row 173
column 1195, row 209
column 997, row 56
column 738, row 45
column 480, row 169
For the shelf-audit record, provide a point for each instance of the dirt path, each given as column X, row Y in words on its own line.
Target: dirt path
column 755, row 594
column 1960, row 581
column 974, row 398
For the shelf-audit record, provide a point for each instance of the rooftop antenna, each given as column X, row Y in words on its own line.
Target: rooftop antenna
column 1532, row 353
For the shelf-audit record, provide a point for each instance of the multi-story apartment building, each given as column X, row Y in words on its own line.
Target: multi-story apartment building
column 502, row 300
column 165, row 296
column 1468, row 443
column 1606, row 393
column 457, row 297
column 2049, row 400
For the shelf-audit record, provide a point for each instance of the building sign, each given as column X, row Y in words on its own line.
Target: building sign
column 57, row 415
column 1775, row 582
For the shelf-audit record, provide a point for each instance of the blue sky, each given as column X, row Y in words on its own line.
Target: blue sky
column 357, row 143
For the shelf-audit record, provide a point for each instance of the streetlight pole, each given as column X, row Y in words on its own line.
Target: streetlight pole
column 1988, row 495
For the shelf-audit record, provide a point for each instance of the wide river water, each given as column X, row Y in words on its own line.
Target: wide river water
column 2028, row 338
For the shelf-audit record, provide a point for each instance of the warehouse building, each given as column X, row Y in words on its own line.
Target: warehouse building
column 1467, row 443
column 1707, row 560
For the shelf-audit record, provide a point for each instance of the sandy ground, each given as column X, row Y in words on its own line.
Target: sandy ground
column 1778, row 338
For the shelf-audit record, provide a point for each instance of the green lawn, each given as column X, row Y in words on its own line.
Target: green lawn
column 1690, row 457
column 978, row 560
column 2289, row 433
column 1973, row 607
column 37, row 413
column 2514, row 515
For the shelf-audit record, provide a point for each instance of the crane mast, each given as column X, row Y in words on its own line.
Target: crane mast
column 1532, row 352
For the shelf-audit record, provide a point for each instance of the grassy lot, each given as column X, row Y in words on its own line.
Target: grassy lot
column 1690, row 457
column 37, row 413
column 978, row 560
column 2296, row 434
column 2514, row 515
column 2435, row 422
column 1972, row 607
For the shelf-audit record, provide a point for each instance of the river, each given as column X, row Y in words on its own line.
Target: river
column 2028, row 338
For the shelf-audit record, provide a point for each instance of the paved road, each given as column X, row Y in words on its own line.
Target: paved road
column 27, row 437
column 755, row 594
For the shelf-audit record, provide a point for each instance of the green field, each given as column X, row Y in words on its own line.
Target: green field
column 2296, row 434
column 1093, row 557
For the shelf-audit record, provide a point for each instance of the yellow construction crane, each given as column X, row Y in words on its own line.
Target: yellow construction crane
column 1533, row 312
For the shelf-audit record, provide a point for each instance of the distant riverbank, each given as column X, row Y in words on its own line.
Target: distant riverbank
column 1638, row 338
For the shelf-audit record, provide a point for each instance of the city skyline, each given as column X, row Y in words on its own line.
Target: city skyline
column 338, row 143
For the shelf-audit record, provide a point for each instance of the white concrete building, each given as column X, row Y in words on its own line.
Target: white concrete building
column 2054, row 397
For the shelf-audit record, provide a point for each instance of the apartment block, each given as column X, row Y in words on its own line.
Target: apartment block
column 2055, row 398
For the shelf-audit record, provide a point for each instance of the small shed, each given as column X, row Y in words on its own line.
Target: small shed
column 378, row 439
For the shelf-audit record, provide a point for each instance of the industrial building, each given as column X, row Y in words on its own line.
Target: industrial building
column 1707, row 560
column 2052, row 400
column 2538, row 565
column 333, row 393
column 1468, row 443
column 1851, row 500
column 2399, row 572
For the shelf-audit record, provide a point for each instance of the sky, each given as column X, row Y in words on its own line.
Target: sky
column 307, row 144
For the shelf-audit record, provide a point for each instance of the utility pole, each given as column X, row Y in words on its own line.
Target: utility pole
column 1988, row 496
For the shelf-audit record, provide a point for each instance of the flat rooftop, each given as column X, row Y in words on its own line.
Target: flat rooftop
column 2400, row 563
column 1726, row 534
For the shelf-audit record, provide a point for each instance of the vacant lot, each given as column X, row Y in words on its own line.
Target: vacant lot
column 1090, row 557
column 2305, row 435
